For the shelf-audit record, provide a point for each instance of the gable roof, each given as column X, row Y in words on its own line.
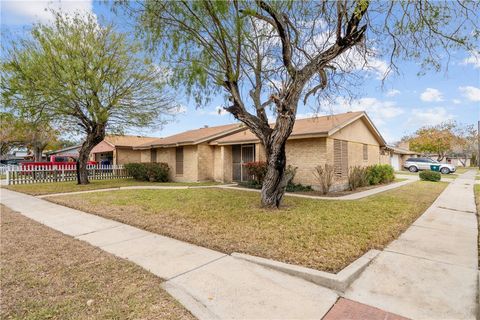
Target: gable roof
column 192, row 137
column 110, row 142
column 323, row 126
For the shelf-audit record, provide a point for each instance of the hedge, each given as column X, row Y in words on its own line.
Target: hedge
column 430, row 176
column 154, row 172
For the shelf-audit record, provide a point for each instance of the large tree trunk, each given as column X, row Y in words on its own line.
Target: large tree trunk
column 37, row 153
column 275, row 182
column 93, row 138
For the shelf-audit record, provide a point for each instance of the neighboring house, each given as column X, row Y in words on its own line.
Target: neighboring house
column 118, row 149
column 69, row 151
column 218, row 153
column 398, row 155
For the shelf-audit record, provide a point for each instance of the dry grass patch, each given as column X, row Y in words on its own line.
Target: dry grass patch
column 321, row 234
column 47, row 275
column 72, row 186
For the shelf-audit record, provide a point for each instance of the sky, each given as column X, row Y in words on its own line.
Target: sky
column 398, row 106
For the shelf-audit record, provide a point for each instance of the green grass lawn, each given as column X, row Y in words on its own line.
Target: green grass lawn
column 47, row 275
column 321, row 234
column 72, row 186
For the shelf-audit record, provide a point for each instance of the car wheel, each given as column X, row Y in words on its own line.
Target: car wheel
column 445, row 170
column 413, row 169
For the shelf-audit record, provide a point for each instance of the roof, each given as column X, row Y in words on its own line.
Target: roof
column 111, row 142
column 196, row 136
column 323, row 126
column 63, row 150
column 400, row 150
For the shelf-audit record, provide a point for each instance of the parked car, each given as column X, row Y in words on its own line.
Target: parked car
column 417, row 164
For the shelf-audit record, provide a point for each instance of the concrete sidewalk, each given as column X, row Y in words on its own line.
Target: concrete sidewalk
column 210, row 284
column 430, row 271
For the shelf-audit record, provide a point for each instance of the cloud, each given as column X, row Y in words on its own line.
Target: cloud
column 27, row 12
column 473, row 59
column 471, row 93
column 431, row 94
column 380, row 111
column 456, row 101
column 428, row 117
column 393, row 93
column 219, row 111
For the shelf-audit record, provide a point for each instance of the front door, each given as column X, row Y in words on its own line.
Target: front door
column 242, row 154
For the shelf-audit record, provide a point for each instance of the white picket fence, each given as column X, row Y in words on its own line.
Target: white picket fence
column 57, row 173
column 7, row 167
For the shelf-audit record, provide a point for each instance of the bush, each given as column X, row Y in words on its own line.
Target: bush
column 297, row 187
column 157, row 172
column 379, row 173
column 325, row 176
column 257, row 170
column 430, row 176
column 357, row 177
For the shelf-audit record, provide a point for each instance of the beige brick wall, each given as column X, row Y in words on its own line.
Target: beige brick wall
column 145, row 155
column 190, row 165
column 127, row 156
column 356, row 132
column 205, row 162
column 260, row 154
column 222, row 164
column 306, row 154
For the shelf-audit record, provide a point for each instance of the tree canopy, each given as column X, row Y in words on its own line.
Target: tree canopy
column 84, row 76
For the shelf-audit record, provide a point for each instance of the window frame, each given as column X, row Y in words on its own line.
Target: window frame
column 179, row 163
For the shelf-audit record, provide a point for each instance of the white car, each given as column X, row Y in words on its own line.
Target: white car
column 417, row 164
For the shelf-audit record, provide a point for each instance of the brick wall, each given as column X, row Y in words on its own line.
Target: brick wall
column 306, row 154
column 127, row 156
column 222, row 164
column 205, row 162
column 145, row 155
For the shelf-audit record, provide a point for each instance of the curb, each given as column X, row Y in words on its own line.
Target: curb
column 336, row 281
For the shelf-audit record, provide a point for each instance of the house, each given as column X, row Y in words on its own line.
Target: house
column 218, row 153
column 397, row 156
column 189, row 154
column 69, row 151
column 118, row 149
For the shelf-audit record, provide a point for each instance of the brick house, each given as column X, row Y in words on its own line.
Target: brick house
column 118, row 149
column 217, row 153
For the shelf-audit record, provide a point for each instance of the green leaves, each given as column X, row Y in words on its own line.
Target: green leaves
column 79, row 72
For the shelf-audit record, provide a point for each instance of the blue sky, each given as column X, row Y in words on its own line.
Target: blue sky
column 404, row 103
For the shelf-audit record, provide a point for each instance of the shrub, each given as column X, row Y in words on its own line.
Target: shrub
column 324, row 175
column 157, row 172
column 257, row 170
column 297, row 187
column 357, row 177
column 430, row 176
column 379, row 173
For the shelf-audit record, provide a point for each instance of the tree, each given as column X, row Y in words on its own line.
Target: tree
column 266, row 56
column 9, row 133
column 83, row 75
column 438, row 140
column 466, row 143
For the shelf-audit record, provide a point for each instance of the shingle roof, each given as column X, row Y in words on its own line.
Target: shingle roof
column 194, row 136
column 110, row 142
column 316, row 126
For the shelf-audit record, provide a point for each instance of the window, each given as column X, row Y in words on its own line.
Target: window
column 179, row 160
column 340, row 157
column 365, row 152
column 153, row 155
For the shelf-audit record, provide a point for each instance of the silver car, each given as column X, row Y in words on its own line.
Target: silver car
column 417, row 164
